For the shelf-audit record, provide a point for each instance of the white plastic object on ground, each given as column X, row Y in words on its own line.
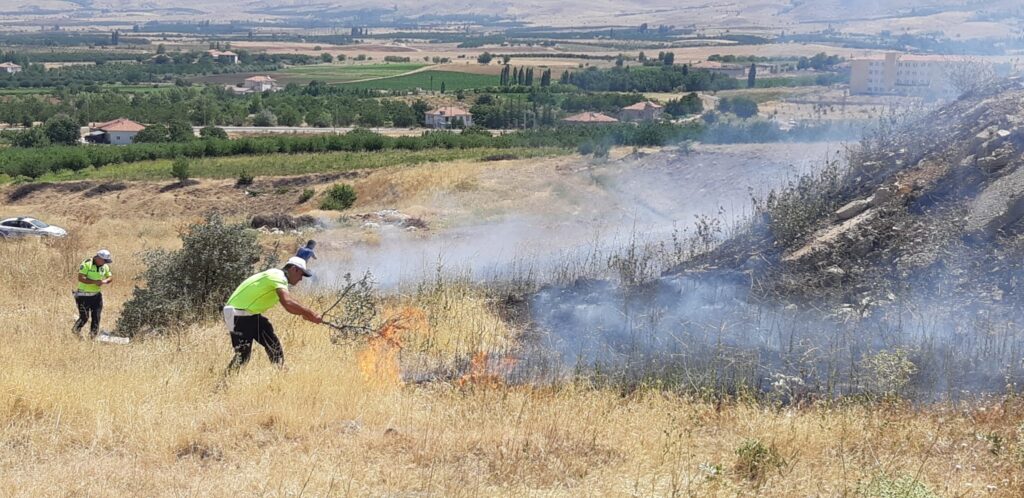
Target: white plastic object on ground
column 112, row 339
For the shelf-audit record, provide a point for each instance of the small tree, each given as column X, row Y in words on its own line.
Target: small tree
column 752, row 76
column 62, row 130
column 742, row 107
column 213, row 132
column 153, row 134
column 180, row 131
column 180, row 169
column 264, row 118
column 326, row 57
column 244, row 179
column 485, row 58
column 288, row 116
column 219, row 257
column 339, row 197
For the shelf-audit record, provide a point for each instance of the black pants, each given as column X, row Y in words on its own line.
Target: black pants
column 89, row 306
column 254, row 328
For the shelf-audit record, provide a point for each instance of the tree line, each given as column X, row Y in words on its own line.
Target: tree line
column 316, row 104
column 648, row 79
column 35, row 162
column 165, row 67
column 312, row 105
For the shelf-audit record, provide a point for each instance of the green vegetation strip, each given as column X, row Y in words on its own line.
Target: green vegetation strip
column 47, row 90
column 431, row 79
column 295, row 164
column 341, row 73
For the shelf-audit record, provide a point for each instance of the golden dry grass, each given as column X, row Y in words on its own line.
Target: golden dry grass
column 155, row 419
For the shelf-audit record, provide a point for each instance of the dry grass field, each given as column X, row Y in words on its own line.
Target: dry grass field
column 157, row 418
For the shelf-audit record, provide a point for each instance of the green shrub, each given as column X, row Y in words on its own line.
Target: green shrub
column 888, row 373
column 740, row 106
column 307, row 194
column 265, row 118
column 180, row 169
column 244, row 179
column 213, row 132
column 61, row 129
column 339, row 198
column 755, row 461
column 218, row 255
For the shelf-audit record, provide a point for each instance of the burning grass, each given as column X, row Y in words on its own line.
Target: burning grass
column 156, row 419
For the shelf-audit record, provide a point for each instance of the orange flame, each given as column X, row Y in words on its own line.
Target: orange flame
column 484, row 373
column 379, row 362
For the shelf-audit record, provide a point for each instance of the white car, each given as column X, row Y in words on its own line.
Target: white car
column 21, row 227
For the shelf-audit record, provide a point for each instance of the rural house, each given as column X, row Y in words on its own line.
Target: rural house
column 259, row 84
column 642, row 111
column 10, row 68
column 590, row 118
column 117, row 132
column 228, row 57
column 447, row 117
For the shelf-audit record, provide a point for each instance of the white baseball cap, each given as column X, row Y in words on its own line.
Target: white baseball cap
column 105, row 255
column 301, row 263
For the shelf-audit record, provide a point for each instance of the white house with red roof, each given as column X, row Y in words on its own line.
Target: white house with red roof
column 227, row 57
column 259, row 84
column 120, row 131
column 447, row 117
column 642, row 111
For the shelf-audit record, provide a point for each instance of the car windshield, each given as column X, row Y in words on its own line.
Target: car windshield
column 39, row 224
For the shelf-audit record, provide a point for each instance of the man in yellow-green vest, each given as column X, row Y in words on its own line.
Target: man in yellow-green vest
column 243, row 314
column 92, row 274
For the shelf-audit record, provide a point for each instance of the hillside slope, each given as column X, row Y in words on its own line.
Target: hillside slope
column 933, row 205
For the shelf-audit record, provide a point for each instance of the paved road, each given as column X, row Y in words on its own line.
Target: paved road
column 297, row 130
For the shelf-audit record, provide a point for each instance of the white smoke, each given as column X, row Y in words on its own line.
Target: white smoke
column 645, row 198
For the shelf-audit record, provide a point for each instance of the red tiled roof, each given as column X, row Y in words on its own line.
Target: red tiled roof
column 642, row 106
column 590, row 117
column 449, row 111
column 121, row 124
column 260, row 78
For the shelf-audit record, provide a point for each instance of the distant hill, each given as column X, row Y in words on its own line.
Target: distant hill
column 791, row 15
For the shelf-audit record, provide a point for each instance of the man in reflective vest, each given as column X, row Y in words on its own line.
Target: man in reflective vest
column 92, row 274
column 243, row 314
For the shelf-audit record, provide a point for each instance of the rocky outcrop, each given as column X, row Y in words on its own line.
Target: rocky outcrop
column 999, row 208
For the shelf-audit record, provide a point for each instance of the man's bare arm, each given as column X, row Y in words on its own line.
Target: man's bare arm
column 294, row 307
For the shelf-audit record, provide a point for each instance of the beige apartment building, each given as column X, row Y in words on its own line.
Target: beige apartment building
column 902, row 74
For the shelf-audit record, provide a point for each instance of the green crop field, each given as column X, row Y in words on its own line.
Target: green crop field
column 342, row 73
column 431, row 79
column 291, row 164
